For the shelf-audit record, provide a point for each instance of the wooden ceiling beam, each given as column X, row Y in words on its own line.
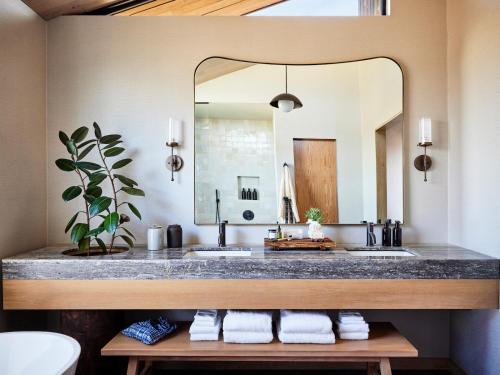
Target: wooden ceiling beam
column 48, row 9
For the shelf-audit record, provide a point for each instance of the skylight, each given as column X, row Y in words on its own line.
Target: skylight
column 324, row 8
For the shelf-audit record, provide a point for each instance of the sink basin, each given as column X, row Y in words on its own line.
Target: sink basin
column 381, row 253
column 215, row 251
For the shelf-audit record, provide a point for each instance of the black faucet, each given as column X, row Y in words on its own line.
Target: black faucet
column 222, row 233
column 371, row 240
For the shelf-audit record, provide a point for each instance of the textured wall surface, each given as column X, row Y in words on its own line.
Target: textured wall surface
column 474, row 118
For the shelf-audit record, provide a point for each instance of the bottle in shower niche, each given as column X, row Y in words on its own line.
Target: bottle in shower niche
column 254, row 194
column 249, row 194
column 386, row 233
column 397, row 234
column 243, row 194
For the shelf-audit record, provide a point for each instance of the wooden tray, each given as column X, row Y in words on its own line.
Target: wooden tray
column 303, row 244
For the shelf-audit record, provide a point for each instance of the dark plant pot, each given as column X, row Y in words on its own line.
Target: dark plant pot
column 94, row 251
column 93, row 329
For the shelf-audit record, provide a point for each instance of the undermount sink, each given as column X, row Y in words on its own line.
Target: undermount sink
column 379, row 251
column 215, row 251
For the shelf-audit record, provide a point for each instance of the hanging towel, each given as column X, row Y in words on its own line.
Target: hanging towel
column 248, row 321
column 353, row 335
column 298, row 321
column 305, row 338
column 287, row 190
column 150, row 331
column 204, row 337
column 202, row 329
column 353, row 327
column 242, row 337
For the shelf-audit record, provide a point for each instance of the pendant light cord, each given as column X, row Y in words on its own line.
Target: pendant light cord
column 286, row 79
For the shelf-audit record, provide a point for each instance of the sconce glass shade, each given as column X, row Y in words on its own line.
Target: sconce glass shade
column 286, row 102
column 425, row 132
column 174, row 132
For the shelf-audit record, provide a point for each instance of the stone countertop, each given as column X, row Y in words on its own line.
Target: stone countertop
column 430, row 262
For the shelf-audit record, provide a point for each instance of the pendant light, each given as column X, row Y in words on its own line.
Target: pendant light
column 286, row 102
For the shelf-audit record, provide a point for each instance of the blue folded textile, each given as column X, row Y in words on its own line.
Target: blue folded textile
column 150, row 331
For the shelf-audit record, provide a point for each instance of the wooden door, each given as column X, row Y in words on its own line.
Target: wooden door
column 316, row 177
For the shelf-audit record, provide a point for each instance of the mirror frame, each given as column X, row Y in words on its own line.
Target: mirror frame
column 405, row 156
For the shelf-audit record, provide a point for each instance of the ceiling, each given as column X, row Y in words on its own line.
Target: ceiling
column 49, row 9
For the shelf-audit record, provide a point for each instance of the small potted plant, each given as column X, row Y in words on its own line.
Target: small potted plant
column 100, row 213
column 314, row 219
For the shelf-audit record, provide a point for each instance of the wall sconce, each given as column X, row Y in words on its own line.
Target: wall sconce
column 174, row 162
column 424, row 162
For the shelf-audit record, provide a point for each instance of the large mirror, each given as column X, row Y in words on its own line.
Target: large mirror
column 335, row 144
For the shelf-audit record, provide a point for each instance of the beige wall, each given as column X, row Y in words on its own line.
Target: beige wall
column 23, row 162
column 474, row 169
column 131, row 73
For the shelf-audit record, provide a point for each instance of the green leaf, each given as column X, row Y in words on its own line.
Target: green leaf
column 89, row 198
column 71, row 222
column 96, row 179
column 125, row 180
column 79, row 134
column 128, row 232
column 83, row 144
column 113, row 151
column 79, row 231
column 84, row 244
column 99, row 205
column 71, row 193
column 134, row 210
column 95, row 232
column 85, row 152
column 133, row 191
column 71, row 147
column 127, row 239
column 121, row 163
column 65, row 165
column 110, row 138
column 87, row 165
column 101, row 244
column 97, row 131
column 112, row 144
column 93, row 190
column 111, row 222
column 63, row 137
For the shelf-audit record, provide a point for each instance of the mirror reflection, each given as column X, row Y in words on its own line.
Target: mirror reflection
column 272, row 141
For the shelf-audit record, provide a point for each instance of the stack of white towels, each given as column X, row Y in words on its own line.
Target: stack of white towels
column 352, row 326
column 206, row 326
column 305, row 327
column 248, row 327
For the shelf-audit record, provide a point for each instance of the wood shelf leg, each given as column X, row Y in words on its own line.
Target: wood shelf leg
column 371, row 369
column 133, row 366
column 385, row 367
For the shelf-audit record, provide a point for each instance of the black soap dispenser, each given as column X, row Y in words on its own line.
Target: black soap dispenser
column 254, row 194
column 397, row 234
column 386, row 233
column 249, row 194
column 243, row 194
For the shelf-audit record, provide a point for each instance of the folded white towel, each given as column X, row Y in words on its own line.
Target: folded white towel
column 248, row 321
column 297, row 321
column 204, row 337
column 248, row 337
column 350, row 317
column 196, row 328
column 207, row 318
column 353, row 327
column 353, row 335
column 305, row 338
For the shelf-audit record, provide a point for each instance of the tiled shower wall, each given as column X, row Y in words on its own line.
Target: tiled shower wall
column 228, row 151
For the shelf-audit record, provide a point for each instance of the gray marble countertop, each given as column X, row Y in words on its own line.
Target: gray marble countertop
column 430, row 262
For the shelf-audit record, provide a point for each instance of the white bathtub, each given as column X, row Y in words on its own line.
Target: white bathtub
column 40, row 353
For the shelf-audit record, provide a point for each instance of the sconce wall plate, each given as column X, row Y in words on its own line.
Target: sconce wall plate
column 422, row 161
column 174, row 163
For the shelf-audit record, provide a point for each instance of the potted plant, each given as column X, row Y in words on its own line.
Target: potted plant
column 100, row 213
column 314, row 219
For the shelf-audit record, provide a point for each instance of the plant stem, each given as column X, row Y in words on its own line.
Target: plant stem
column 108, row 171
column 86, row 203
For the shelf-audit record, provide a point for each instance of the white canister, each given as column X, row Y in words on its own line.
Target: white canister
column 155, row 237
